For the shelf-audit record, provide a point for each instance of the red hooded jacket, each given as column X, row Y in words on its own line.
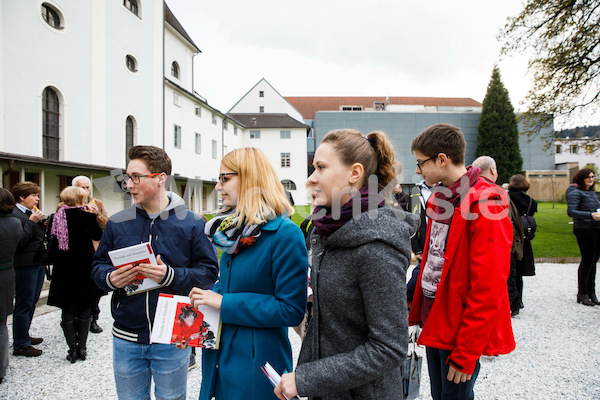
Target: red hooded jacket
column 471, row 314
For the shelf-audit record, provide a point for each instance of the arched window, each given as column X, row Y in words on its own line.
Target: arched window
column 51, row 16
column 131, row 63
column 132, row 5
column 50, row 124
column 175, row 69
column 129, row 134
column 288, row 185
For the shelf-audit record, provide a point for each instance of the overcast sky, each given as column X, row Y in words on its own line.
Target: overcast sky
column 433, row 48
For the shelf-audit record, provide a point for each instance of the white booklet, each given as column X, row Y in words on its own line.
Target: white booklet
column 137, row 254
column 177, row 321
column 274, row 378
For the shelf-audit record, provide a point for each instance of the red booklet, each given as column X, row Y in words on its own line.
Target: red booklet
column 176, row 320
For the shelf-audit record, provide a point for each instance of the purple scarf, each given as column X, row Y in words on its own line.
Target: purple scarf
column 327, row 224
column 59, row 227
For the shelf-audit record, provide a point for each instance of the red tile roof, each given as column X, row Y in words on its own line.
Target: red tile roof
column 308, row 106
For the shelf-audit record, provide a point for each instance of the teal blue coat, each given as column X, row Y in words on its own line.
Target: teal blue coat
column 264, row 293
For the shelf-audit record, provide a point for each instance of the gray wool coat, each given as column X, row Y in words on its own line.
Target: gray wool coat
column 358, row 336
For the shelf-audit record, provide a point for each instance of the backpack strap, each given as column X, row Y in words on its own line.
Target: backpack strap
column 529, row 207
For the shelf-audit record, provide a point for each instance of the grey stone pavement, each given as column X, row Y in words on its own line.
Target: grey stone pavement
column 557, row 354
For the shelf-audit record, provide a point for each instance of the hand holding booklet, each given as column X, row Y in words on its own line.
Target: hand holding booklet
column 176, row 321
column 274, row 378
column 137, row 254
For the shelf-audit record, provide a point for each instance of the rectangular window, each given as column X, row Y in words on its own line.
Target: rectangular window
column 225, row 125
column 177, row 99
column 311, row 133
column 285, row 134
column 177, row 136
column 235, row 130
column 261, row 109
column 574, row 149
column 214, row 119
column 558, row 149
column 261, row 94
column 214, row 149
column 254, row 134
column 590, row 149
column 285, row 160
column 198, row 111
column 198, row 143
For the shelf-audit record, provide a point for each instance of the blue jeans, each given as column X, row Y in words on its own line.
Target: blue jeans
column 441, row 387
column 136, row 364
column 28, row 286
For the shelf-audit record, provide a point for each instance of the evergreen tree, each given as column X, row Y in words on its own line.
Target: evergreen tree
column 498, row 132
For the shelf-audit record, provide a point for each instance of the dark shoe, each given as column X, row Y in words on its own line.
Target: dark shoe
column 585, row 300
column 514, row 313
column 192, row 364
column 28, row 351
column 71, row 338
column 94, row 327
column 83, row 328
column 594, row 299
column 36, row 340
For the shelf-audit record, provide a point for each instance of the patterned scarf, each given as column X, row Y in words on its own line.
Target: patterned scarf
column 223, row 231
column 59, row 227
column 328, row 224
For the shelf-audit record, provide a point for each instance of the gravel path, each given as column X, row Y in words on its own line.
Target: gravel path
column 557, row 355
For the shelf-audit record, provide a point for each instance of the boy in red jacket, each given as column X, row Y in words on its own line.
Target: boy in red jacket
column 461, row 298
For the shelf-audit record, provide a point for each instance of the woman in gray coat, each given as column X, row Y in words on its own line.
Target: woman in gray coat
column 357, row 337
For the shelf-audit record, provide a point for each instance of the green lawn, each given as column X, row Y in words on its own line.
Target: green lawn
column 554, row 236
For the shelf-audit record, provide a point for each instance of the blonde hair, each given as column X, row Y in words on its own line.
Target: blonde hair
column 73, row 196
column 260, row 193
column 374, row 152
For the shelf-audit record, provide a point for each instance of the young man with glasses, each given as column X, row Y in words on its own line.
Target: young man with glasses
column 461, row 297
column 185, row 259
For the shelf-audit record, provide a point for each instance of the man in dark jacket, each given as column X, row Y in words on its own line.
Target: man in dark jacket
column 29, row 267
column 185, row 259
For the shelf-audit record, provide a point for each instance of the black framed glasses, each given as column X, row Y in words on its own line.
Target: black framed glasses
column 420, row 163
column 221, row 176
column 136, row 178
column 591, row 177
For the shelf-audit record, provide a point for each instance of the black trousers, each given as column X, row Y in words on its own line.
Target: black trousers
column 589, row 246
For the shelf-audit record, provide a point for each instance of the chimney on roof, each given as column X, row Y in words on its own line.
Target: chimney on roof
column 253, row 121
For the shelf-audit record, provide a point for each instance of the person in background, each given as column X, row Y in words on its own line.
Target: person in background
column 72, row 288
column 489, row 171
column 357, row 338
column 401, row 199
column 185, row 259
column 461, row 298
column 419, row 199
column 10, row 235
column 96, row 207
column 261, row 291
column 525, row 205
column 29, row 266
column 583, row 206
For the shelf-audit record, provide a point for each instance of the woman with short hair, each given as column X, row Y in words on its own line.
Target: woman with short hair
column 583, row 206
column 72, row 288
column 30, row 270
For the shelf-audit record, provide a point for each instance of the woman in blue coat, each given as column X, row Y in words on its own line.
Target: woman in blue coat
column 262, row 287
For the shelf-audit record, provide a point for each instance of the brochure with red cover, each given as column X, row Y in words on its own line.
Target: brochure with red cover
column 176, row 321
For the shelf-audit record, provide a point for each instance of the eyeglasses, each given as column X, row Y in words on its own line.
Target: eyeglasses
column 591, row 177
column 420, row 163
column 224, row 174
column 136, row 178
